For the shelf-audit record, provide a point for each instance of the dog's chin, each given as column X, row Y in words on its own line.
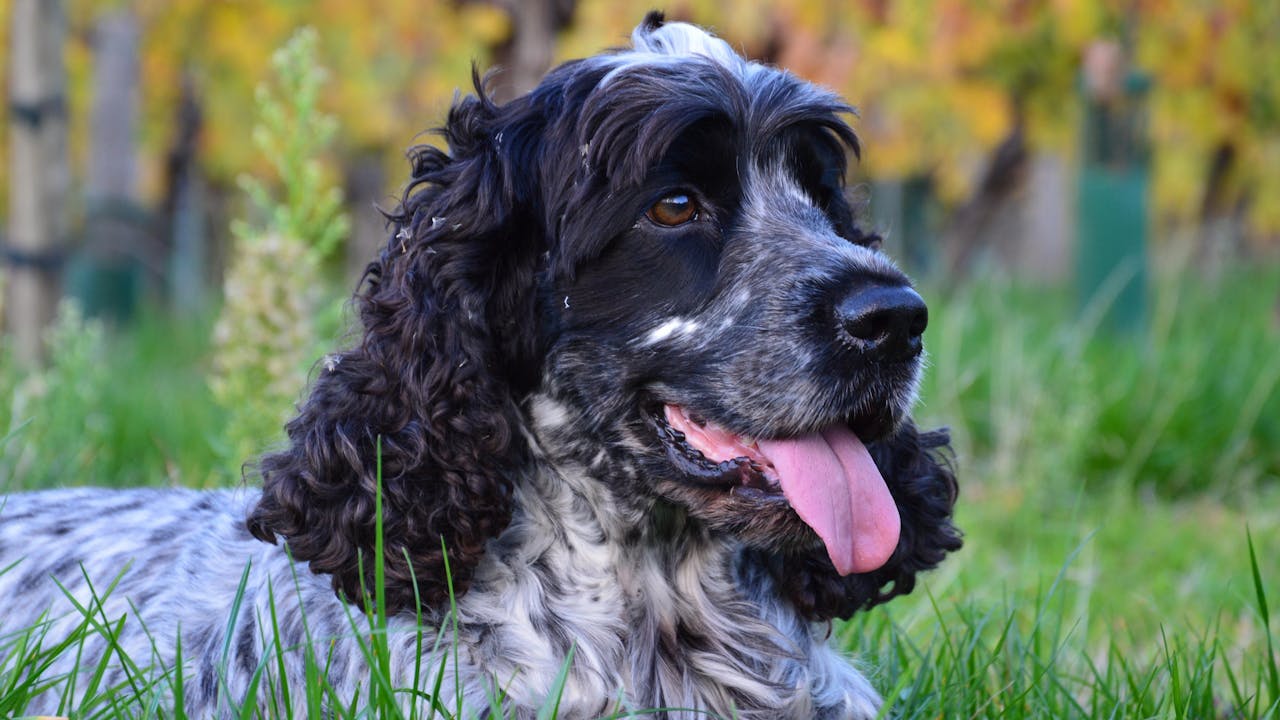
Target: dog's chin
column 767, row 491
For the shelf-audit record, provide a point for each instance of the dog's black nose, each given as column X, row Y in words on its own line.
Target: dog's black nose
column 884, row 321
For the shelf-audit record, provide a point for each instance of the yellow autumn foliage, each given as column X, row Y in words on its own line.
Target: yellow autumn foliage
column 934, row 79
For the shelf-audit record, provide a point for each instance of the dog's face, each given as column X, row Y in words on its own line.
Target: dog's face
column 650, row 262
column 714, row 313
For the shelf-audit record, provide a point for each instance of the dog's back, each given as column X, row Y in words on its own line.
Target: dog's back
column 166, row 562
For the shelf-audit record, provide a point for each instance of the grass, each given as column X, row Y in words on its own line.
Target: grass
column 1120, row 497
column 1024, row 643
column 1141, row 457
column 1190, row 405
column 114, row 409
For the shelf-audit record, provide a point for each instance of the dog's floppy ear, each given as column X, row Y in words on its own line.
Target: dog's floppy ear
column 447, row 349
column 917, row 469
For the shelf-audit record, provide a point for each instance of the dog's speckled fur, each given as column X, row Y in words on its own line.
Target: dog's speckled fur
column 521, row 329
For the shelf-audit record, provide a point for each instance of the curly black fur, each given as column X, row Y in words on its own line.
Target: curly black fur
column 447, row 344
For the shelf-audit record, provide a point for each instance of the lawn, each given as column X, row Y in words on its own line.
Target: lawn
column 1112, row 487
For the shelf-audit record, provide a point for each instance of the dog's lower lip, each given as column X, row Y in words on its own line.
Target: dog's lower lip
column 735, row 474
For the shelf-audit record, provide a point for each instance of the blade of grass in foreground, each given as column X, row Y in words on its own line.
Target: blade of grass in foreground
column 24, row 662
column 232, row 615
column 381, row 690
column 453, row 621
column 179, row 689
column 279, row 691
column 551, row 707
column 1273, row 672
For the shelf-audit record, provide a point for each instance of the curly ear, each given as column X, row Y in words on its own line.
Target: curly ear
column 447, row 348
column 918, row 471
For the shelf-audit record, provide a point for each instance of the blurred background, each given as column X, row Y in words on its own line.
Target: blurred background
column 994, row 130
column 1087, row 190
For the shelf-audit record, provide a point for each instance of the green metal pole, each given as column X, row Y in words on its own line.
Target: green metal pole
column 1113, row 209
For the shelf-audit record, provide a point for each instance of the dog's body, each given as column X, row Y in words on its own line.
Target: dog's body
column 629, row 358
column 536, row 596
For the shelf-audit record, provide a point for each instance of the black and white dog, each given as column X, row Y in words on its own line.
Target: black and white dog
column 631, row 361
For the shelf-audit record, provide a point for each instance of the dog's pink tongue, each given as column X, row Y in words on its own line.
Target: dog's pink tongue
column 833, row 485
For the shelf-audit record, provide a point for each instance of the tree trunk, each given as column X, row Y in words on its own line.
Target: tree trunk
column 39, row 173
column 119, row 239
column 184, row 213
column 113, row 163
column 527, row 54
column 978, row 219
column 366, row 183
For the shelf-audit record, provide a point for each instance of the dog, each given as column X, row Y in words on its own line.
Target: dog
column 631, row 401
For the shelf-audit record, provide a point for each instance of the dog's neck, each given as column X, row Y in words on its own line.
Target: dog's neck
column 666, row 609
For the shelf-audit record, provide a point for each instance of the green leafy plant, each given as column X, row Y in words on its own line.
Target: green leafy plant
column 56, row 420
column 266, row 335
column 292, row 134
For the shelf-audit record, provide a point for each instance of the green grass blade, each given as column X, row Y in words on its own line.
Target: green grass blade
column 381, row 694
column 1273, row 672
column 415, row 688
column 551, row 708
column 453, row 620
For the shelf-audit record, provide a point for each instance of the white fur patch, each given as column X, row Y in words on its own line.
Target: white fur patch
column 683, row 40
column 674, row 327
column 673, row 42
column 548, row 413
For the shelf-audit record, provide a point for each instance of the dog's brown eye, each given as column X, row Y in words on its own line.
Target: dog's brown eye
column 673, row 210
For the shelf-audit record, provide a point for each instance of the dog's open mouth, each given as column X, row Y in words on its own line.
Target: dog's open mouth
column 827, row 477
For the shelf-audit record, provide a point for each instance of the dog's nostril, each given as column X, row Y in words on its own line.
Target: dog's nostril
column 884, row 321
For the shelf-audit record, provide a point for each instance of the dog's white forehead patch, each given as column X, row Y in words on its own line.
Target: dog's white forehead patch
column 679, row 39
column 673, row 42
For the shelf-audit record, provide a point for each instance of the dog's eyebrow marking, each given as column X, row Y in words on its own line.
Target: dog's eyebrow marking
column 673, row 326
column 773, row 180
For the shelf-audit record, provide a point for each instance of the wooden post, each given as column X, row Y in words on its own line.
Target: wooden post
column 39, row 174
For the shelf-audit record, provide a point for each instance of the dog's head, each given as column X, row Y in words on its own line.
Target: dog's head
column 651, row 263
